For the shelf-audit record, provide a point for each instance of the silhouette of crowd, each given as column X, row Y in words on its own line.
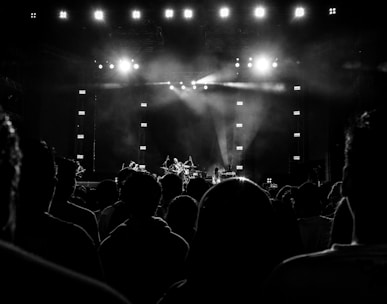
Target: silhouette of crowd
column 146, row 239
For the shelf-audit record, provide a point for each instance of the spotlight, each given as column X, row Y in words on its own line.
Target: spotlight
column 262, row 65
column 188, row 13
column 237, row 65
column 136, row 66
column 205, row 87
column 169, row 13
column 33, row 15
column 332, row 11
column 100, row 66
column 99, row 15
column 299, row 12
column 124, row 66
column 111, row 66
column 62, row 15
column 183, row 87
column 171, row 87
column 224, row 12
column 259, row 12
column 136, row 14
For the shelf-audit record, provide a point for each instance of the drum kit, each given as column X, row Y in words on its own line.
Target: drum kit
column 186, row 172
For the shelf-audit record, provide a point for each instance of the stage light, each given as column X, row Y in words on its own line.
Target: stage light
column 262, row 65
column 237, row 65
column 143, row 105
column 80, row 156
column 296, row 157
column 183, row 87
column 169, row 13
column 188, row 13
column 296, row 113
column 80, row 136
column 143, row 148
column 194, row 87
column 193, row 82
column 205, row 87
column 239, row 167
column 33, row 15
column 296, row 134
column 239, row 125
column 144, row 125
column 124, row 66
column 171, row 87
column 239, row 148
column 224, row 12
column 332, row 11
column 239, row 103
column 259, row 12
column 136, row 14
column 81, row 113
column 141, row 167
column 100, row 66
column 111, row 66
column 99, row 15
column 299, row 12
column 82, row 92
column 274, row 64
column 62, row 15
column 297, row 88
column 250, row 65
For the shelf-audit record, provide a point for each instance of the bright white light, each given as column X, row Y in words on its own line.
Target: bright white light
column 237, row 65
column 194, row 87
column 188, row 13
column 100, row 66
column 239, row 103
column 136, row 66
column 171, row 87
column 80, row 136
column 82, row 92
column 80, row 156
column 169, row 13
column 296, row 157
column 296, row 134
column 296, row 113
column 205, row 87
column 224, row 12
column 144, row 125
column 262, row 65
column 136, row 14
column 259, row 12
column 81, row 113
column 193, row 82
column 142, row 167
column 239, row 125
column 111, row 66
column 332, row 11
column 239, row 167
column 142, row 148
column 250, row 65
column 299, row 12
column 62, row 15
column 181, row 82
column 239, row 148
column 297, row 88
column 98, row 15
column 143, row 105
column 33, row 15
column 124, row 65
column 183, row 87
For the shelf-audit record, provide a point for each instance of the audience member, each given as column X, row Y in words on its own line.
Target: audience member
column 353, row 272
column 142, row 257
column 61, row 205
column 196, row 187
column 172, row 186
column 26, row 276
column 182, row 216
column 234, row 249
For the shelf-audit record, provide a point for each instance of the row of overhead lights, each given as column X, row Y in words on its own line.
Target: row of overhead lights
column 258, row 12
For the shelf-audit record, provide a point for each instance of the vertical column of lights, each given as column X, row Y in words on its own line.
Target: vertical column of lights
column 142, row 136
column 239, row 138
column 297, row 136
column 80, row 128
